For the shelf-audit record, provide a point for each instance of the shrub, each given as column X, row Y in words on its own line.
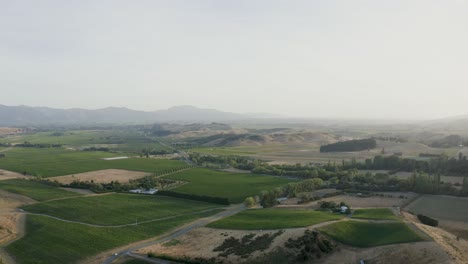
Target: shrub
column 428, row 220
column 202, row 198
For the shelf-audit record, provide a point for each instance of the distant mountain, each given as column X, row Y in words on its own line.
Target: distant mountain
column 26, row 115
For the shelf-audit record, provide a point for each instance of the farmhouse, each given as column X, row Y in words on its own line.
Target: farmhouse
column 344, row 209
column 144, row 191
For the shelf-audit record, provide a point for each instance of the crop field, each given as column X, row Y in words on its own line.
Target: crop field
column 118, row 209
column 266, row 219
column 50, row 241
column 361, row 234
column 34, row 190
column 305, row 153
column 441, row 207
column 57, row 162
column 234, row 186
column 114, row 139
column 375, row 214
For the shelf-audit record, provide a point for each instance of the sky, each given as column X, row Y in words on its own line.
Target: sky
column 328, row 59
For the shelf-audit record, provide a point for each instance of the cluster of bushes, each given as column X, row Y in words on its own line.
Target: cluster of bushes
column 428, row 220
column 27, row 144
column 307, row 197
column 245, row 246
column 185, row 260
column 202, row 198
column 146, row 182
column 148, row 152
column 309, row 246
column 336, row 208
column 350, row 145
column 97, row 149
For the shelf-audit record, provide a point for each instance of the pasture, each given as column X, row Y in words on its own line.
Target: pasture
column 234, row 186
column 375, row 214
column 267, row 219
column 34, row 190
column 361, row 234
column 50, row 241
column 118, row 209
column 51, row 162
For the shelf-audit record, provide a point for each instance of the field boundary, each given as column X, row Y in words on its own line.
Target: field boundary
column 125, row 225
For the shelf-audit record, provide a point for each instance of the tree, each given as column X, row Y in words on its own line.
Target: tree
column 249, row 202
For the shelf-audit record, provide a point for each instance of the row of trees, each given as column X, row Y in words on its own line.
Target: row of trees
column 350, row 145
column 438, row 164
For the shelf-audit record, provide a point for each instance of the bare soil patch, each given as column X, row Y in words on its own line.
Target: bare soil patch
column 9, row 201
column 9, row 227
column 6, row 175
column 360, row 202
column 9, row 131
column 102, row 176
column 200, row 242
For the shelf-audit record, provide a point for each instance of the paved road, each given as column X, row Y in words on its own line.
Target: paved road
column 232, row 210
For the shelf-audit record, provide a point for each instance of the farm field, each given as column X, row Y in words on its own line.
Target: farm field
column 118, row 209
column 114, row 139
column 101, row 176
column 34, row 190
column 375, row 214
column 441, row 207
column 305, row 153
column 49, row 241
column 361, row 234
column 58, row 162
column 266, row 219
column 234, row 186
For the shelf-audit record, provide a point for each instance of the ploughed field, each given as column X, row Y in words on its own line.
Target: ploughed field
column 234, row 186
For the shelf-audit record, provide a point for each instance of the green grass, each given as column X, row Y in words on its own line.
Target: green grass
column 56, row 162
column 50, row 241
column 441, row 207
column 118, row 209
column 375, row 214
column 266, row 219
column 234, row 186
column 35, row 190
column 361, row 234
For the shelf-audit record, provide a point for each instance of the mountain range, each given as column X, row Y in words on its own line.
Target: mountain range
column 27, row 115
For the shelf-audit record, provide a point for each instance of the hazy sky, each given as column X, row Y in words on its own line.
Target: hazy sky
column 357, row 59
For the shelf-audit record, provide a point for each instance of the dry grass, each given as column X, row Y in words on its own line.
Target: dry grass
column 457, row 249
column 9, row 227
column 6, row 175
column 8, row 131
column 200, row 242
column 102, row 176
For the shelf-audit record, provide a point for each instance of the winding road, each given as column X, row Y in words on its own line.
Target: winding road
column 232, row 210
